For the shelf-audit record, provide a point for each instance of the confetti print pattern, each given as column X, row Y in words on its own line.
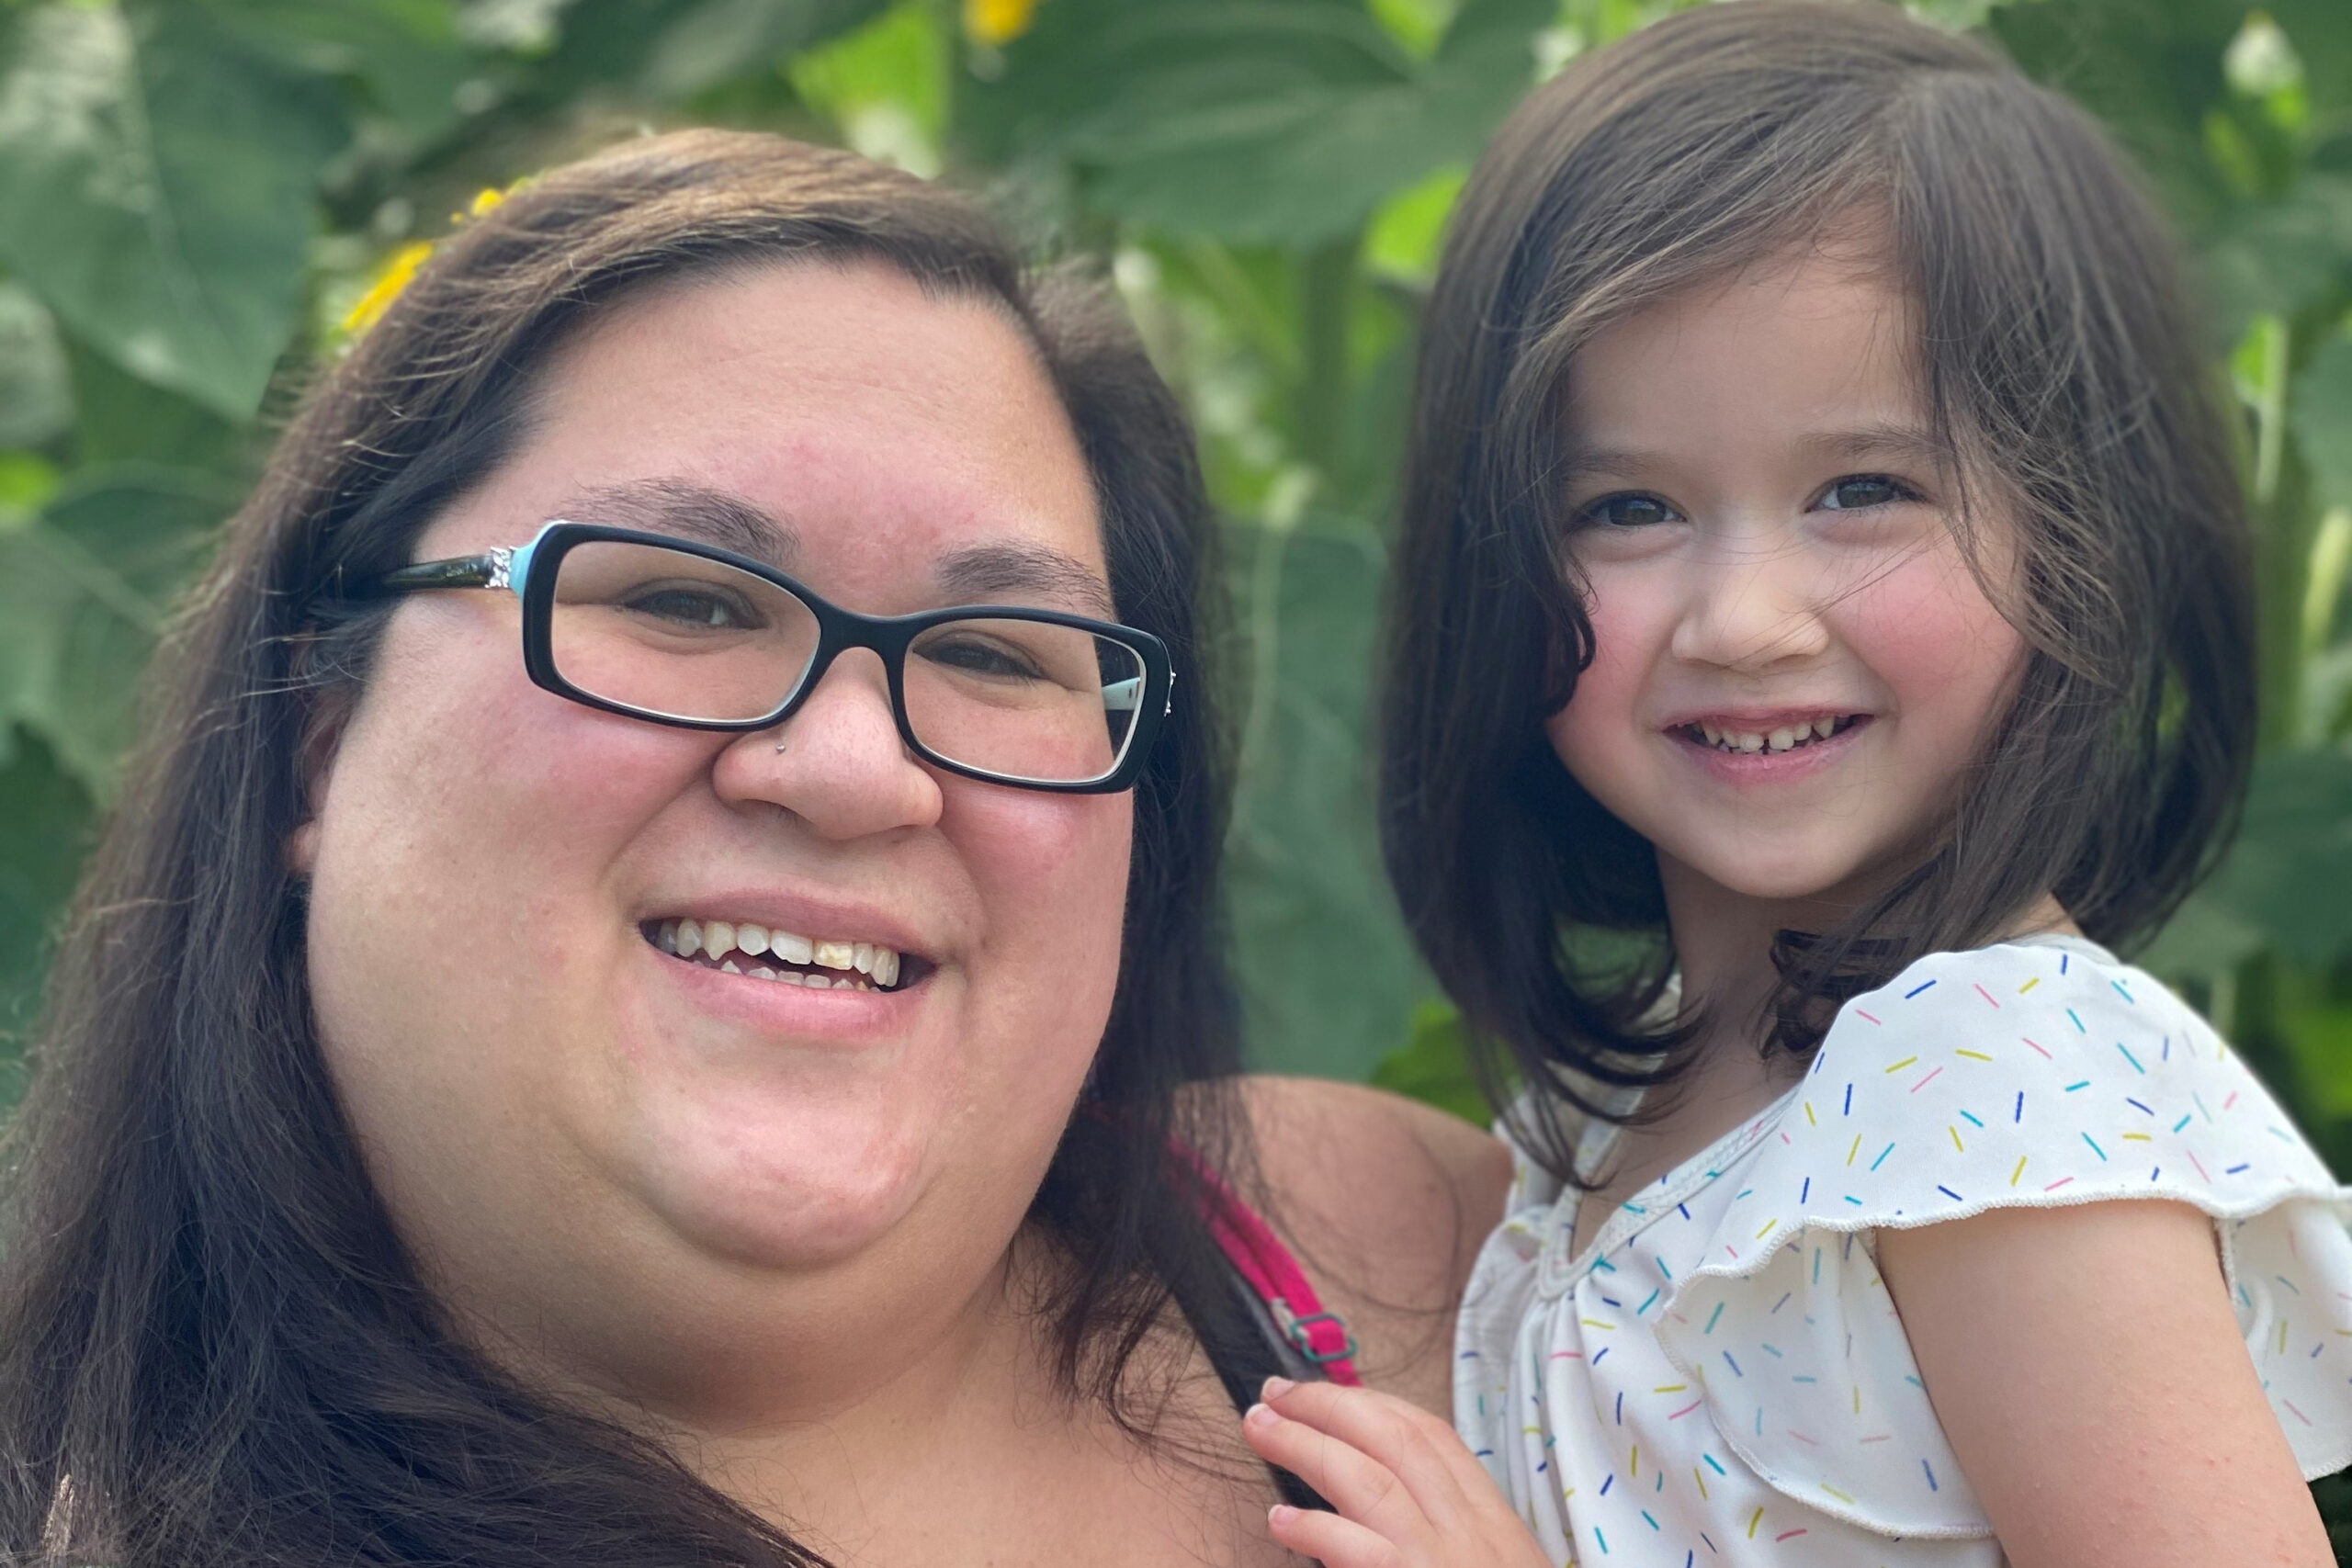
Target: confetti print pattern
column 1721, row 1377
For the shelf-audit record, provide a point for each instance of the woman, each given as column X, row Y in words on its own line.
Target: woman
column 741, row 1083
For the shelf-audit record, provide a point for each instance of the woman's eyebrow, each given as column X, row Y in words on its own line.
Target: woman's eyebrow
column 980, row 571
column 690, row 511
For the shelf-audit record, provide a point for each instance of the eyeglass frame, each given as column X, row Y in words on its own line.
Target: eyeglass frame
column 530, row 570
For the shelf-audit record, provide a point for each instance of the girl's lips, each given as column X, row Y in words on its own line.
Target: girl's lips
column 1731, row 764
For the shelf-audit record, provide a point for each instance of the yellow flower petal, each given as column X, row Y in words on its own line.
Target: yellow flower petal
column 484, row 200
column 996, row 23
column 390, row 281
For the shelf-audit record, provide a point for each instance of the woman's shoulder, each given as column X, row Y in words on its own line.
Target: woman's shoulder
column 1386, row 1202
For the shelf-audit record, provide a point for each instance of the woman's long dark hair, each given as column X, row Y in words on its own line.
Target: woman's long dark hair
column 2061, row 368
column 213, row 1350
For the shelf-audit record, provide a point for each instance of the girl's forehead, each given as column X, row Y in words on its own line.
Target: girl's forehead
column 1812, row 348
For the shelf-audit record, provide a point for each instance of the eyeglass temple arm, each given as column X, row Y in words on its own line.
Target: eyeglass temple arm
column 491, row 568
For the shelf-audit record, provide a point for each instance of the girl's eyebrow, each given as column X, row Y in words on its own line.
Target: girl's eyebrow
column 1890, row 442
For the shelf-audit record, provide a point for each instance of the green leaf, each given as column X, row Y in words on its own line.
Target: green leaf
column 2283, row 884
column 121, row 419
column 36, row 403
column 1327, row 971
column 728, row 37
column 155, row 188
column 1270, row 120
column 2320, row 415
column 44, row 823
column 1433, row 1066
column 84, row 592
column 2274, row 257
column 408, row 55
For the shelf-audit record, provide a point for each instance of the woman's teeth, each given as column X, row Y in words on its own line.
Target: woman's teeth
column 731, row 946
column 1788, row 738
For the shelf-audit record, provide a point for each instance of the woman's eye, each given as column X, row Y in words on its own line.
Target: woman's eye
column 1634, row 510
column 698, row 607
column 1858, row 491
column 977, row 657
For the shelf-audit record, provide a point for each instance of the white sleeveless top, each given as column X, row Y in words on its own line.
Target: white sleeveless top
column 1720, row 1377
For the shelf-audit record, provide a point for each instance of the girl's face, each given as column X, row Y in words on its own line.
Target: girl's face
column 1794, row 663
column 578, row 1130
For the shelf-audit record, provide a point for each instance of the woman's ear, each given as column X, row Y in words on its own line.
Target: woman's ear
column 325, row 717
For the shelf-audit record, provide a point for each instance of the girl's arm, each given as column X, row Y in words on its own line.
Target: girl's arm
column 2087, row 1366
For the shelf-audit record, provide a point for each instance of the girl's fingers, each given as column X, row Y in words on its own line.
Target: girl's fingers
column 1414, row 1446
column 1330, row 1539
column 1360, row 1489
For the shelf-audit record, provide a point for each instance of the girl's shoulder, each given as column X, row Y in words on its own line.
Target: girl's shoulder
column 2020, row 1071
column 2030, row 1074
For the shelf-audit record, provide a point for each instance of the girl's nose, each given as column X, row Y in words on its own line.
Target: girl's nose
column 838, row 763
column 1754, row 602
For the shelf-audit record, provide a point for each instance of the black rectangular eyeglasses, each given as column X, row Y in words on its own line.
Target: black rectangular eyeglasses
column 680, row 633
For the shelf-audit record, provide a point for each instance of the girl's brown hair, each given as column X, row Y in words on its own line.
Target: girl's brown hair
column 213, row 1350
column 2063, row 370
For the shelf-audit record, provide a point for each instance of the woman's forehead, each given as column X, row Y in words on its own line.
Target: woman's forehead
column 805, row 414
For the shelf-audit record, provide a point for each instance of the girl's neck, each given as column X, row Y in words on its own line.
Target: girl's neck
column 1723, row 941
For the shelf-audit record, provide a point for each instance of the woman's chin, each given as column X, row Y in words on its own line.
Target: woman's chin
column 796, row 1198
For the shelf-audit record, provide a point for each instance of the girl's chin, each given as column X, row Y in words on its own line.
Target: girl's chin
column 1823, row 877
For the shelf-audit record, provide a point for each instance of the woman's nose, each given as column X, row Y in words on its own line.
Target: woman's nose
column 837, row 763
column 1754, row 601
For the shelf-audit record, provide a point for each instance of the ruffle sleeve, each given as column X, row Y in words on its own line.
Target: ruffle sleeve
column 2017, row 1076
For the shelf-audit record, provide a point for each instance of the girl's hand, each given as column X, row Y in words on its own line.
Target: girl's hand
column 1409, row 1493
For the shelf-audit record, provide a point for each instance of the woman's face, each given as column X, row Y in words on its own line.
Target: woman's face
column 566, row 1118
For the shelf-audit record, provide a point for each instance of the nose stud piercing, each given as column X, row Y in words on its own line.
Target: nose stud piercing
column 779, row 747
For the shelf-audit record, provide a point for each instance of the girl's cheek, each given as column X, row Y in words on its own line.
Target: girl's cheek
column 1929, row 634
column 1596, row 730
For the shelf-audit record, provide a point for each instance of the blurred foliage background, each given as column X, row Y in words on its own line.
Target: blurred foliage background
column 201, row 199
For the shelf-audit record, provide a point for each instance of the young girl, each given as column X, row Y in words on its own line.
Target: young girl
column 1822, row 632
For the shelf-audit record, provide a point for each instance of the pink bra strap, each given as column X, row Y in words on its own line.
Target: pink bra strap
column 1267, row 1265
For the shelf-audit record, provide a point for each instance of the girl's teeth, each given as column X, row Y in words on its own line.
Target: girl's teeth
column 1782, row 739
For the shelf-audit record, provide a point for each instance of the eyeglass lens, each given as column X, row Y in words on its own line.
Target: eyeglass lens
column 675, row 636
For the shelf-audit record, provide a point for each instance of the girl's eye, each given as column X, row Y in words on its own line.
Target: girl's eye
column 1859, row 491
column 1628, row 511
